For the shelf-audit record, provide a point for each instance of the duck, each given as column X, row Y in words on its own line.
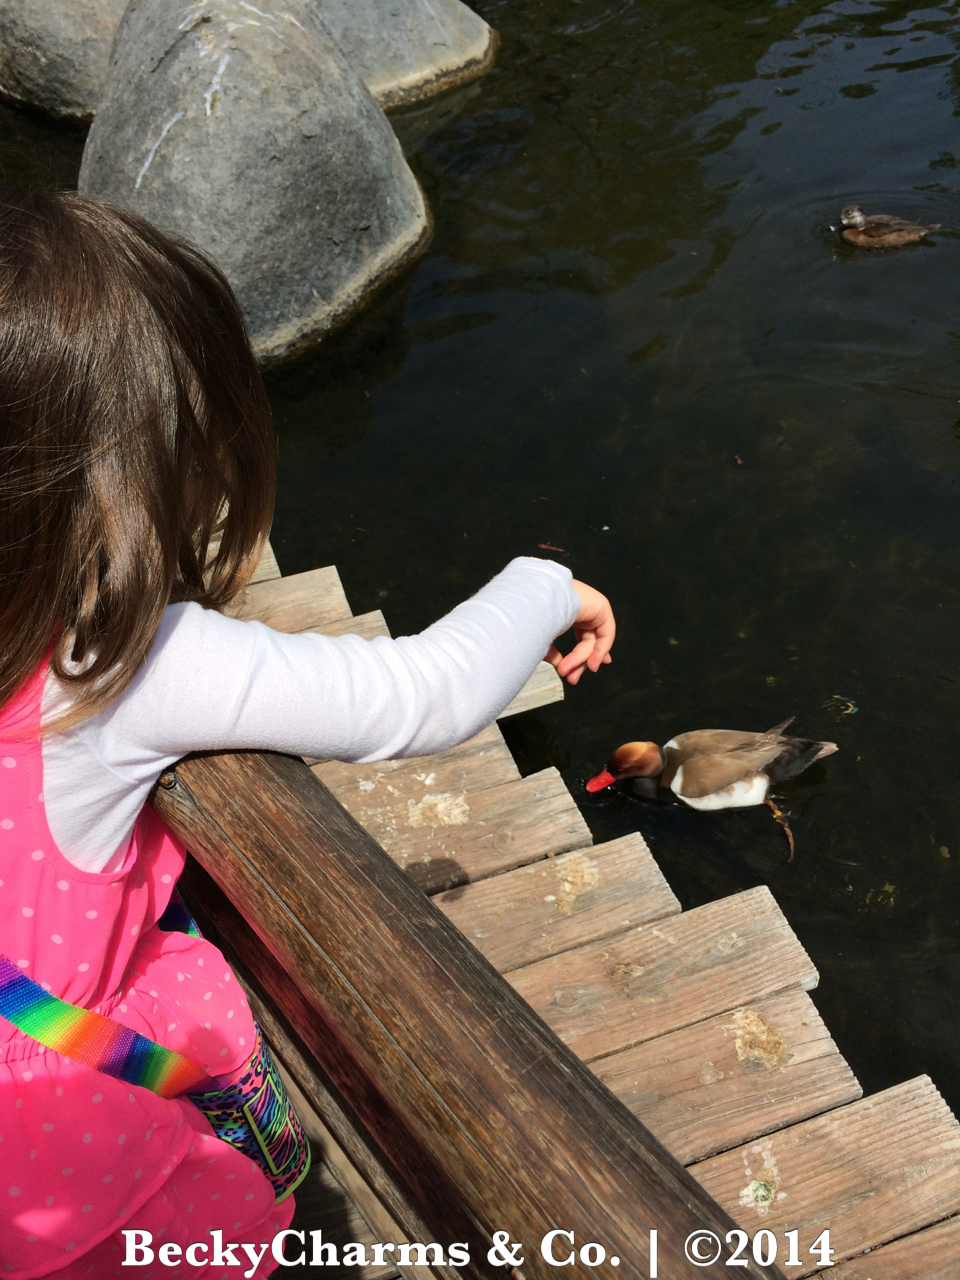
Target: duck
column 711, row 769
column 880, row 230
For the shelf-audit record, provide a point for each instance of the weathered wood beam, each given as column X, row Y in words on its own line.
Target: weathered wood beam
column 347, row 1102
column 491, row 1121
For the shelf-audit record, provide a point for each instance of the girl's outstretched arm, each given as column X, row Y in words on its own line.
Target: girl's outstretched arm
column 212, row 682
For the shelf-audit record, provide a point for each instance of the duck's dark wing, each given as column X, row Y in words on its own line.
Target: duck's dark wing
column 797, row 754
column 883, row 224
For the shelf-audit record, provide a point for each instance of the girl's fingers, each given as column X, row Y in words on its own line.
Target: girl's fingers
column 596, row 616
column 605, row 631
column 579, row 656
column 578, row 660
column 595, row 630
column 553, row 656
column 598, row 657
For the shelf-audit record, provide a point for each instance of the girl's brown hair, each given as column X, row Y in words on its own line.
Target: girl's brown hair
column 134, row 433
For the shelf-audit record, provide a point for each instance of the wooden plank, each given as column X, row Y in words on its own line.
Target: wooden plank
column 543, row 687
column 482, row 761
column 609, row 995
column 268, row 568
column 322, row 1204
column 368, row 625
column 451, row 837
column 933, row 1254
column 872, row 1171
column 295, row 603
column 721, row 1082
column 489, row 1117
column 363, row 1215
column 540, row 910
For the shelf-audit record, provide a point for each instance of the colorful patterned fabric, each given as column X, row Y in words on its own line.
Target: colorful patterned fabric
column 252, row 1113
column 255, row 1115
column 92, row 1039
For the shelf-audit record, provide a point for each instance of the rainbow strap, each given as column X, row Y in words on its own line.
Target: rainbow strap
column 92, row 1039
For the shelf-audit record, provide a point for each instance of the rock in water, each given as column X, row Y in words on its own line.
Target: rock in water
column 54, row 54
column 242, row 128
column 408, row 50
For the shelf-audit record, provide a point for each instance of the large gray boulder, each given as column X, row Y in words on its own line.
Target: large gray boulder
column 408, row 50
column 242, row 128
column 54, row 54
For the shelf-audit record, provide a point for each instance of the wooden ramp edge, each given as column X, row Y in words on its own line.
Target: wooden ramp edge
column 872, row 1171
column 932, row 1254
column 698, row 1021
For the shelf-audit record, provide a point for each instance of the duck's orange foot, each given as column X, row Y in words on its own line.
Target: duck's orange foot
column 781, row 818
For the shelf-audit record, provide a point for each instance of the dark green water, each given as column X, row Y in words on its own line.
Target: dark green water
column 636, row 338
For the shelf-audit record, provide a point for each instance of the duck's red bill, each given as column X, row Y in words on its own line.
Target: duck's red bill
column 600, row 781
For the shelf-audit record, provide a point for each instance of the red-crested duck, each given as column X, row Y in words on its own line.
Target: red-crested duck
column 880, row 230
column 713, row 768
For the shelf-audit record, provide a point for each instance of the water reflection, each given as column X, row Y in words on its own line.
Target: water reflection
column 321, row 404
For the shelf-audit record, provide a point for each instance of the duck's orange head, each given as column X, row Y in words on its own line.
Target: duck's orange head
column 632, row 760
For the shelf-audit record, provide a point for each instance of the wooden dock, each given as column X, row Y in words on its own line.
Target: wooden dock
column 699, row 1021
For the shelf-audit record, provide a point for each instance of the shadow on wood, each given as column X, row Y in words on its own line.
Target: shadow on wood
column 450, row 1089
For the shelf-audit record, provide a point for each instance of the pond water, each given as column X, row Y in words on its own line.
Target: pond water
column 636, row 338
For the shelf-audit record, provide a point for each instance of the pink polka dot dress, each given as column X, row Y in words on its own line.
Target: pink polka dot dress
column 83, row 1155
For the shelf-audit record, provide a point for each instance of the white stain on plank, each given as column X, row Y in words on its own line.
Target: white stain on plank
column 444, row 809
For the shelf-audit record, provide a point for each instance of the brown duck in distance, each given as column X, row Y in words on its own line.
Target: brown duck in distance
column 880, row 230
column 713, row 768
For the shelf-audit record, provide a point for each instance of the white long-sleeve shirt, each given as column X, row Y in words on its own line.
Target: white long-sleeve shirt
column 210, row 682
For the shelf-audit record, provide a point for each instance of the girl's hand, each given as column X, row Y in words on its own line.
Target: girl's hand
column 594, row 628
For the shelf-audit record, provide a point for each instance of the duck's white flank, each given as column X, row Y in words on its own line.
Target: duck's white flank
column 739, row 795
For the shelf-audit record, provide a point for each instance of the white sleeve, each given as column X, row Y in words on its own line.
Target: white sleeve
column 212, row 682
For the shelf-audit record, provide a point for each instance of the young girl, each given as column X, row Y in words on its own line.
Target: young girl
column 134, row 429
